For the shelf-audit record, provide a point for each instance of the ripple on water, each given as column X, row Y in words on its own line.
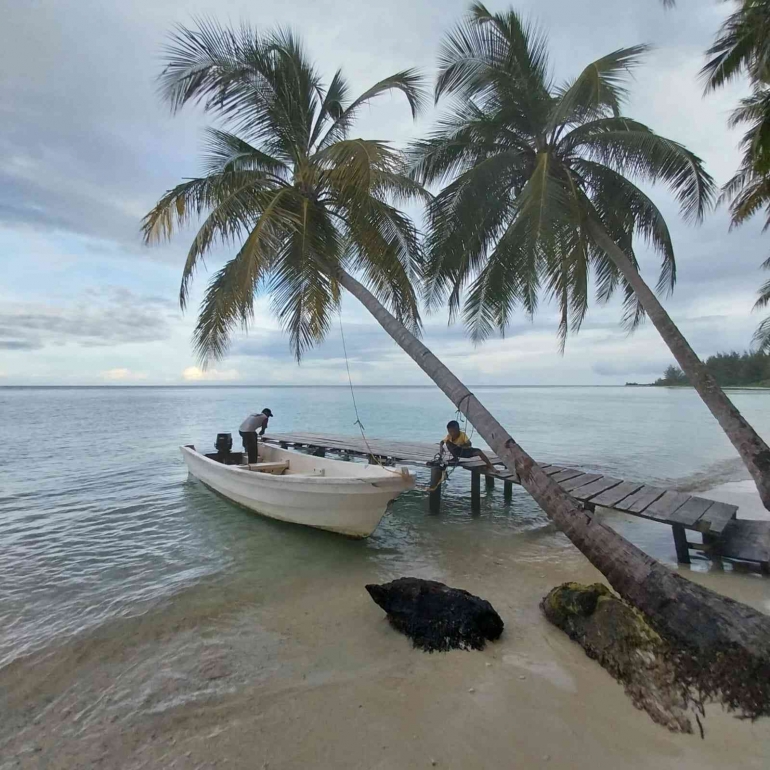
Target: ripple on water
column 108, row 525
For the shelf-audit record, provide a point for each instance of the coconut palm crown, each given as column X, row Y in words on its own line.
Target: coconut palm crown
column 285, row 186
column 539, row 175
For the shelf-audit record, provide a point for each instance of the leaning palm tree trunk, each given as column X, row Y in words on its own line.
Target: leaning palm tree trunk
column 750, row 446
column 719, row 636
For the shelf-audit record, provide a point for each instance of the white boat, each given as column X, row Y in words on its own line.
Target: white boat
column 345, row 497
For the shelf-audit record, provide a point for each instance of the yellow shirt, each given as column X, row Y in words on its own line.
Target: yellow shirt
column 461, row 440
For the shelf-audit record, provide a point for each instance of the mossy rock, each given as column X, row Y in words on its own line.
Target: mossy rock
column 621, row 640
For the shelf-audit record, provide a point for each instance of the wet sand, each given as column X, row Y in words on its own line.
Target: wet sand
column 309, row 674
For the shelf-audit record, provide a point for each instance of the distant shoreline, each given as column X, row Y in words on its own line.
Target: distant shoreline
column 724, row 387
column 278, row 385
column 286, row 386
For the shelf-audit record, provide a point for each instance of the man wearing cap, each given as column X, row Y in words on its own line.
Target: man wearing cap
column 248, row 431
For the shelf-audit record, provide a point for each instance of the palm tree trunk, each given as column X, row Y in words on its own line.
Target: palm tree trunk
column 689, row 615
column 751, row 447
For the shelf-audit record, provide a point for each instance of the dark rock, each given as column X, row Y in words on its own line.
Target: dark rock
column 437, row 617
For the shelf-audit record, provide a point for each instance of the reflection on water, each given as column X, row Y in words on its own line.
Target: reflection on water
column 102, row 523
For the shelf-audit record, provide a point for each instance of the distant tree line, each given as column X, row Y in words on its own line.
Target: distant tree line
column 728, row 369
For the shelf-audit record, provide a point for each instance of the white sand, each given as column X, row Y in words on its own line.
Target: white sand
column 314, row 677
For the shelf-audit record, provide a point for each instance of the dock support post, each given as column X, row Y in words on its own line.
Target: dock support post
column 475, row 491
column 680, row 543
column 507, row 491
column 434, row 496
column 490, row 482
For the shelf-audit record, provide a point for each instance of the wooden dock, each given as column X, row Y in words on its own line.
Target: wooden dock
column 723, row 533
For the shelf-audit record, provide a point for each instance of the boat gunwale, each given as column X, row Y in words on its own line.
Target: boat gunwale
column 381, row 475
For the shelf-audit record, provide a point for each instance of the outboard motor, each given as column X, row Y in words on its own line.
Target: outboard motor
column 224, row 445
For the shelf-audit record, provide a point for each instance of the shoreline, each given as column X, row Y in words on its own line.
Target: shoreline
column 310, row 674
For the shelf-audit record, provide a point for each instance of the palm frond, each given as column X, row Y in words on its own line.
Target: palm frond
column 741, row 46
column 462, row 139
column 624, row 209
column 410, row 82
column 466, row 218
column 385, row 249
column 229, row 300
column 750, row 193
column 225, row 152
column 640, row 153
column 304, row 294
column 508, row 279
column 189, row 200
column 600, row 88
column 333, row 105
column 489, row 51
column 203, row 63
column 762, row 334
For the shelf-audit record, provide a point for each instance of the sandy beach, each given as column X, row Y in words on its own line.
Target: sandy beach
column 319, row 679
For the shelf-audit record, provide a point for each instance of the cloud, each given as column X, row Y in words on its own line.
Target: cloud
column 629, row 366
column 100, row 317
column 79, row 166
column 123, row 375
column 20, row 345
column 195, row 374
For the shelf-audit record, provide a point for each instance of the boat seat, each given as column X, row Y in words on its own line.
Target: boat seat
column 277, row 468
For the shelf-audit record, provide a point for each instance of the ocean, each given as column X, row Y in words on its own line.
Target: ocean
column 124, row 583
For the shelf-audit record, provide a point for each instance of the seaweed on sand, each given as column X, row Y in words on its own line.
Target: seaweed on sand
column 436, row 617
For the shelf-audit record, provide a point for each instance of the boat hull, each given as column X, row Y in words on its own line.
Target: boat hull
column 349, row 498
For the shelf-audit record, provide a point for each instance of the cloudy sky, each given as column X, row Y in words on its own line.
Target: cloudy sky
column 86, row 148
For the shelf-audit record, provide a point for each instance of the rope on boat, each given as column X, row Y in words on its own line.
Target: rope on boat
column 355, row 408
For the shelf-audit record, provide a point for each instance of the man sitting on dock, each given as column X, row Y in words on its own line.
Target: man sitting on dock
column 248, row 431
column 459, row 445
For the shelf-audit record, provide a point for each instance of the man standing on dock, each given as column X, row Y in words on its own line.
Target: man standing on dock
column 248, row 431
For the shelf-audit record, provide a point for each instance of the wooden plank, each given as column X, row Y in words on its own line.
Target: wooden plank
column 504, row 476
column 579, row 481
column 612, row 497
column 716, row 518
column 587, row 491
column 691, row 511
column 405, row 451
column 566, row 474
column 553, row 469
column 640, row 500
column 662, row 508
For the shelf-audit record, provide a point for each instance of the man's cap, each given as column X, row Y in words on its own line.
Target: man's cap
column 267, row 413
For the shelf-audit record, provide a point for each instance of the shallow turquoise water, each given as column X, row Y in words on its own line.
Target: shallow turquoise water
column 98, row 519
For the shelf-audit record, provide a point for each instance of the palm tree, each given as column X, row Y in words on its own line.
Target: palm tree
column 304, row 206
column 540, row 194
column 742, row 47
column 301, row 199
column 749, row 189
